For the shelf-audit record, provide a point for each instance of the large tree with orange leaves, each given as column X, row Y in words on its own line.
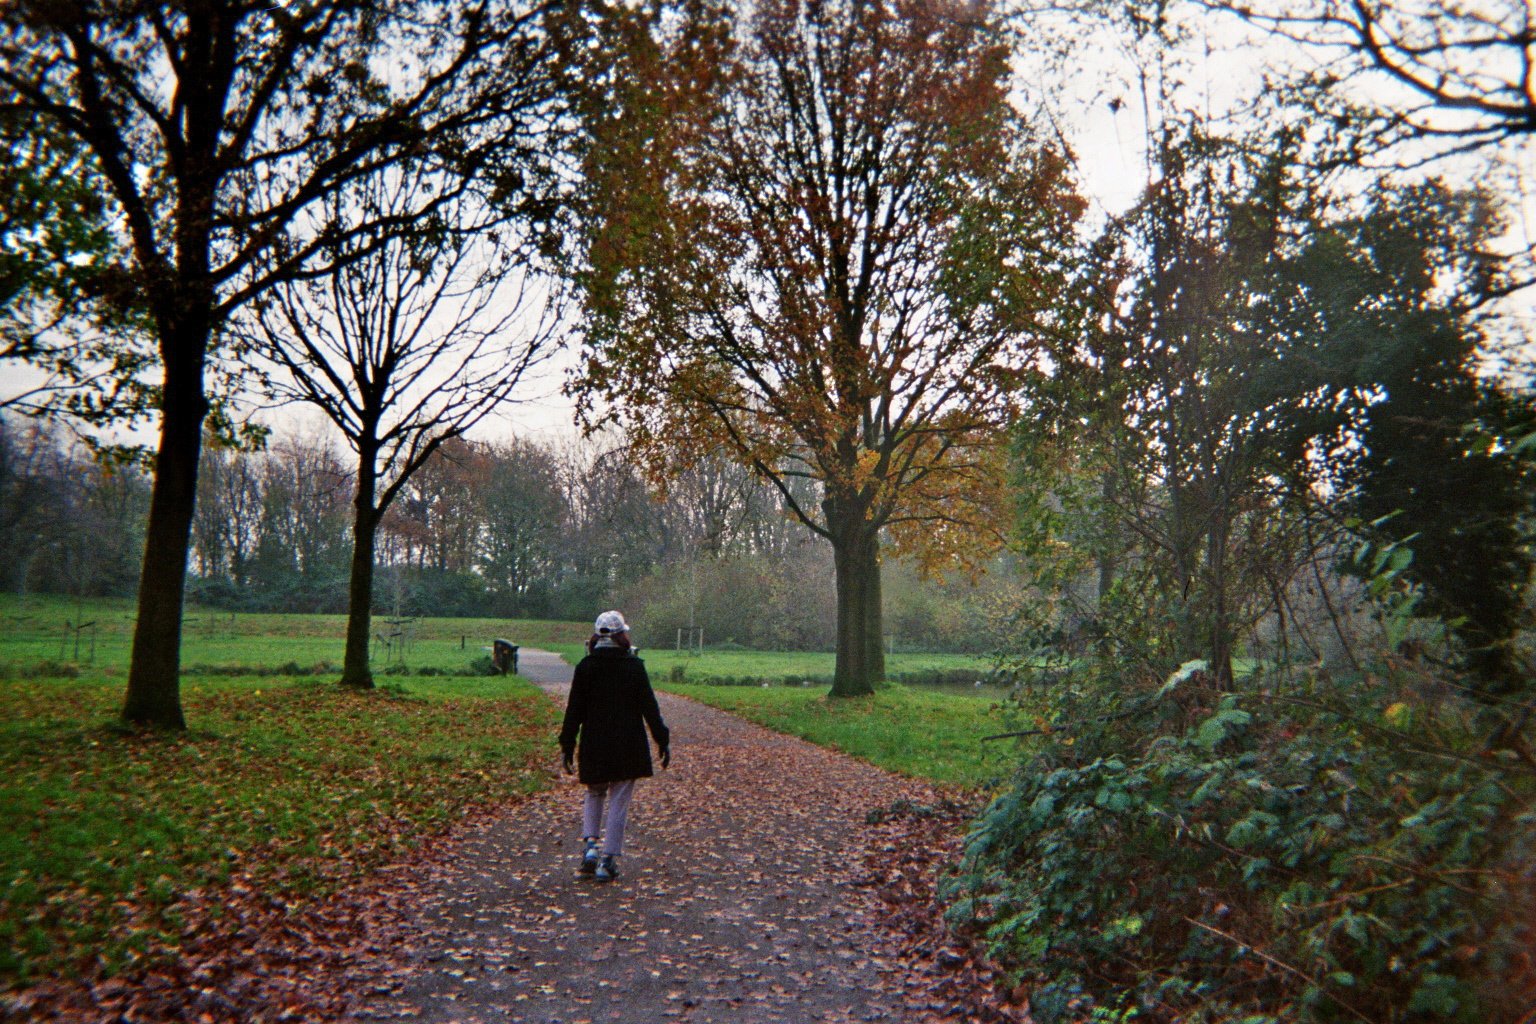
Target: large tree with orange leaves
column 822, row 236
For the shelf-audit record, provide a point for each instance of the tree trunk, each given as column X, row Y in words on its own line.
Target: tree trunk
column 874, row 613
column 154, row 674
column 860, row 651
column 1220, row 617
column 355, row 672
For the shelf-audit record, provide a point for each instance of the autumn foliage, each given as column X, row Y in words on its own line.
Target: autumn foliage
column 822, row 240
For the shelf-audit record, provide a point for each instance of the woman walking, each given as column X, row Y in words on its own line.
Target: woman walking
column 610, row 706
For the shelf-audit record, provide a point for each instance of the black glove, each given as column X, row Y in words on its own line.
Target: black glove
column 570, row 763
column 666, row 757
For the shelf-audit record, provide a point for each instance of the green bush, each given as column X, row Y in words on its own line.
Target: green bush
column 1337, row 850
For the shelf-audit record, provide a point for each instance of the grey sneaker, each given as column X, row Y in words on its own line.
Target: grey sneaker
column 589, row 860
column 608, row 868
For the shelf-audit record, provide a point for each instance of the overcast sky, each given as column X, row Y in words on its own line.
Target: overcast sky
column 1224, row 60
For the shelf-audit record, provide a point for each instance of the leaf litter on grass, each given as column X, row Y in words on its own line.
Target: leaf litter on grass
column 145, row 869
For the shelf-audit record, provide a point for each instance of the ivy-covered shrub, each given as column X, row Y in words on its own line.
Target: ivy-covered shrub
column 1326, row 851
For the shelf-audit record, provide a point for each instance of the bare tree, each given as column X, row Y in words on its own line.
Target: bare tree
column 710, row 504
column 306, row 486
column 67, row 524
column 1459, row 75
column 524, row 516
column 228, row 519
column 404, row 349
column 217, row 128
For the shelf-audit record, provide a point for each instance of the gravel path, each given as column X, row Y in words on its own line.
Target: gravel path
column 737, row 900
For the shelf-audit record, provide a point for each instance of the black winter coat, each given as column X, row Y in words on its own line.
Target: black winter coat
column 610, row 705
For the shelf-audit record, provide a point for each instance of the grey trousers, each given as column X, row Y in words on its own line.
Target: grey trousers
column 609, row 826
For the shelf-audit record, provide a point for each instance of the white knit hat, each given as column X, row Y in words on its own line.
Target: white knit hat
column 609, row 623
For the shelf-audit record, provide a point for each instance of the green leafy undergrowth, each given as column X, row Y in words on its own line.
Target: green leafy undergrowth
column 295, row 788
column 1327, row 851
column 928, row 735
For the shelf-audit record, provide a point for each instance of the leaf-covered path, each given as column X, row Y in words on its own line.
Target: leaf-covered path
column 745, row 896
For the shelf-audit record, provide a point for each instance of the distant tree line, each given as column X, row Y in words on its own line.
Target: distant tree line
column 486, row 528
column 510, row 528
column 68, row 525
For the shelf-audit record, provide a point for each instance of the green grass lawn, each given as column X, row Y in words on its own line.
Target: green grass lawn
column 33, row 632
column 292, row 787
column 928, row 734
